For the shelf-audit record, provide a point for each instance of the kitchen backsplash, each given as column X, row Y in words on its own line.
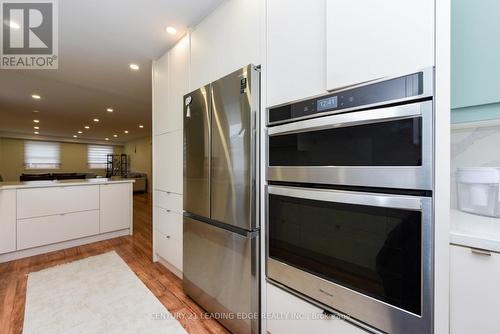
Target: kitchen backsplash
column 473, row 147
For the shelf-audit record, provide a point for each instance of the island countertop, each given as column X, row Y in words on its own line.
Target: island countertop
column 61, row 183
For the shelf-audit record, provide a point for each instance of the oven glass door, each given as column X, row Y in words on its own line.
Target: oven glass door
column 380, row 137
column 351, row 240
column 391, row 143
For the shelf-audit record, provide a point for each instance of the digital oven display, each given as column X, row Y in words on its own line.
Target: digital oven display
column 327, row 103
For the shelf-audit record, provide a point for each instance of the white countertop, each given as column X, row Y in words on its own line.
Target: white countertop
column 474, row 231
column 60, row 183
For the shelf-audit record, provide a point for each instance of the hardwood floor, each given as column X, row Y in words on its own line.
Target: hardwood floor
column 136, row 250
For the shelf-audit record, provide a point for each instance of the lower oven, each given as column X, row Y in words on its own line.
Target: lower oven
column 366, row 255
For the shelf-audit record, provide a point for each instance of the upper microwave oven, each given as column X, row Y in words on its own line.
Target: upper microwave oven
column 378, row 134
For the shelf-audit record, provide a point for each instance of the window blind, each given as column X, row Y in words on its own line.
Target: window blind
column 41, row 155
column 97, row 156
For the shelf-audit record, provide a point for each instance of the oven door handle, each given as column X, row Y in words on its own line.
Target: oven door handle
column 350, row 119
column 351, row 197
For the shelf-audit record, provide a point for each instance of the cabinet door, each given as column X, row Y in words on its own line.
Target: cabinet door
column 475, row 54
column 308, row 318
column 296, row 50
column 474, row 291
column 160, row 95
column 7, row 221
column 178, row 83
column 367, row 39
column 116, row 201
column 168, row 160
column 169, row 248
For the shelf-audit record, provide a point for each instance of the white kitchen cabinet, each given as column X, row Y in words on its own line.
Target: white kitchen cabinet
column 169, row 249
column 308, row 318
column 226, row 40
column 160, row 95
column 116, row 201
column 168, row 161
column 168, row 222
column 38, row 202
column 168, row 201
column 178, row 83
column 7, row 221
column 367, row 39
column 474, row 291
column 296, row 50
column 34, row 232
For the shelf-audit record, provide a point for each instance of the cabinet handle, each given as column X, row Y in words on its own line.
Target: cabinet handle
column 168, row 237
column 480, row 252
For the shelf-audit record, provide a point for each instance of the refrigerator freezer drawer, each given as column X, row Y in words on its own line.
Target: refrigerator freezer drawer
column 221, row 273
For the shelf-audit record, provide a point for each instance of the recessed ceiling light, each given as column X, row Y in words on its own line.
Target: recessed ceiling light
column 96, row 120
column 106, row 138
column 116, row 136
column 171, row 30
column 36, row 96
column 126, row 131
column 36, row 127
column 36, row 121
column 14, row 25
column 141, row 126
column 36, row 132
column 75, row 136
column 134, row 67
column 36, row 111
column 87, row 127
column 80, row 132
column 109, row 110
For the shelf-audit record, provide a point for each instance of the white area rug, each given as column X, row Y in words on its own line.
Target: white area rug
column 96, row 295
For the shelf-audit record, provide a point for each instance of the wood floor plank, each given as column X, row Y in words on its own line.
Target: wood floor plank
column 135, row 250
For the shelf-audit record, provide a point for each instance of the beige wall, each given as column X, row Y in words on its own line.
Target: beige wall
column 73, row 159
column 140, row 157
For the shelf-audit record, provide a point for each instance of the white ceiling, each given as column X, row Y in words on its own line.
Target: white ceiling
column 98, row 39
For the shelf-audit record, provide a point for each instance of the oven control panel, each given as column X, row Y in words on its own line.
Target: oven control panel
column 379, row 92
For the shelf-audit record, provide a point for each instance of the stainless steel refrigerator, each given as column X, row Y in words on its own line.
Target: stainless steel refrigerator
column 221, row 223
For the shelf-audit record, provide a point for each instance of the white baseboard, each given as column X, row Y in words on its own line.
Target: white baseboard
column 170, row 267
column 62, row 245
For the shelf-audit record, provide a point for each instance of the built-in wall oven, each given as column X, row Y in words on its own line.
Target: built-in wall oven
column 349, row 202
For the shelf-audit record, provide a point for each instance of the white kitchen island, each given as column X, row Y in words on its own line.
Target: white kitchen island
column 44, row 216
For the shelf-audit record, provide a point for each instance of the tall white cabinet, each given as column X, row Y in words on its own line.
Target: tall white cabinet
column 170, row 84
column 367, row 39
column 296, row 50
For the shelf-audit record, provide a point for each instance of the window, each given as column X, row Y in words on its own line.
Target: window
column 98, row 155
column 41, row 155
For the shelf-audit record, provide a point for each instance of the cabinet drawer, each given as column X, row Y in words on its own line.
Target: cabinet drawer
column 311, row 320
column 169, row 249
column 168, row 201
column 41, row 231
column 168, row 222
column 38, row 202
column 474, row 292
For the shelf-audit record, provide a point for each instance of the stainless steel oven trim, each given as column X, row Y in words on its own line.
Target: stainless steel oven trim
column 402, row 177
column 373, row 312
column 350, row 197
column 350, row 119
column 428, row 91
